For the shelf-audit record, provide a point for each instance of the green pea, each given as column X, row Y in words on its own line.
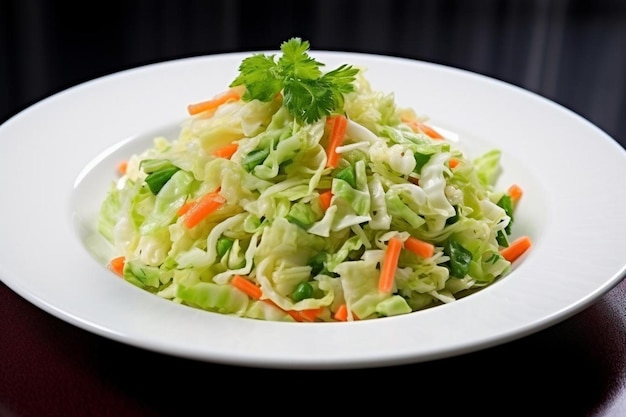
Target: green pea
column 302, row 291
column 223, row 245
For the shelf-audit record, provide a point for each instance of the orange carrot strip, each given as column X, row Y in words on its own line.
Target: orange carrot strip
column 207, row 204
column 226, row 151
column 121, row 167
column 117, row 265
column 516, row 248
column 311, row 314
column 246, row 286
column 417, row 127
column 419, row 247
column 325, row 198
column 296, row 315
column 338, row 125
column 342, row 313
column 515, row 192
column 230, row 95
column 429, row 131
column 389, row 265
column 185, row 208
column 453, row 162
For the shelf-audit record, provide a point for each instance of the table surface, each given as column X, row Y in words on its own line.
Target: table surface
column 51, row 368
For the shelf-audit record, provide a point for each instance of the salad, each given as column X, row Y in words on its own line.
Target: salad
column 304, row 195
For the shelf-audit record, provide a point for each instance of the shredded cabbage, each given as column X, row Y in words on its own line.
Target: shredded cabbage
column 308, row 260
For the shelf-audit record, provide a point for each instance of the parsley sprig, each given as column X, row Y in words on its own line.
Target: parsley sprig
column 309, row 94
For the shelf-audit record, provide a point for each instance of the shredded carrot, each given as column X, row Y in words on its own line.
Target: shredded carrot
column 453, row 162
column 310, row 314
column 185, row 208
column 338, row 124
column 325, row 198
column 246, row 286
column 389, row 264
column 294, row 314
column 516, row 248
column 418, row 127
column 206, row 205
column 419, row 247
column 342, row 313
column 117, row 265
column 515, row 192
column 122, row 166
column 430, row 131
column 212, row 104
column 226, row 151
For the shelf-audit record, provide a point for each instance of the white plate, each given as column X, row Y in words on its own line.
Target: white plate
column 58, row 157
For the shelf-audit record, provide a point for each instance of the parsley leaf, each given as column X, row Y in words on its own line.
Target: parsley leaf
column 257, row 74
column 296, row 62
column 309, row 94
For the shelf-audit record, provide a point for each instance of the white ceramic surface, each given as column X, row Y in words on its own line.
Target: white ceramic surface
column 58, row 157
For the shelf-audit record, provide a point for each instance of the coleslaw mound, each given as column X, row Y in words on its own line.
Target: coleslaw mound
column 241, row 214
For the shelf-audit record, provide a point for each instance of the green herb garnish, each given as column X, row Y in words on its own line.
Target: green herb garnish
column 308, row 93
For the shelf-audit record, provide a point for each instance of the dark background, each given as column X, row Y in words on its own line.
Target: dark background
column 570, row 51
